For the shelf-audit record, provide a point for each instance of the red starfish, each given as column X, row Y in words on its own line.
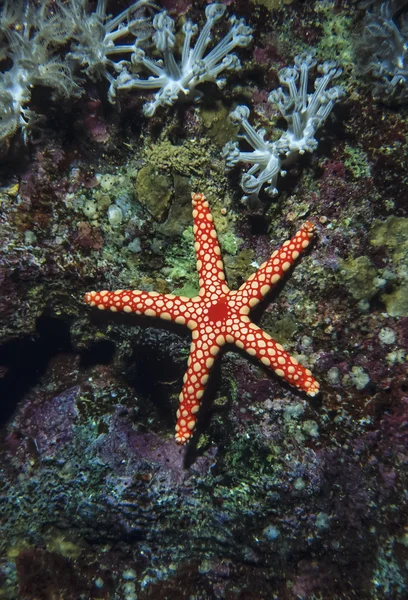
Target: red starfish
column 218, row 315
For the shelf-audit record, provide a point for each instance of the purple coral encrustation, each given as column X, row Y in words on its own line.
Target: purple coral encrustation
column 44, row 428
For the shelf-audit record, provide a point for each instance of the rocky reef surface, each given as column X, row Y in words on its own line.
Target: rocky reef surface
column 280, row 496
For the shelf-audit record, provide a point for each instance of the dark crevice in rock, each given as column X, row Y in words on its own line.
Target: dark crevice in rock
column 25, row 360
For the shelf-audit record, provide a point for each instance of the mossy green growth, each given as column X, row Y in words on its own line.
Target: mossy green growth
column 153, row 189
column 181, row 265
column 282, row 330
column 360, row 277
column 337, row 30
column 190, row 158
column 219, row 127
column 393, row 235
column 171, row 172
column 189, row 290
column 356, row 162
column 63, row 543
column 238, row 268
column 252, row 458
column 230, row 243
column 397, row 302
column 272, row 4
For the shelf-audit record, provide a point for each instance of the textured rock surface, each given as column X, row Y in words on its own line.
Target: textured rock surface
column 282, row 496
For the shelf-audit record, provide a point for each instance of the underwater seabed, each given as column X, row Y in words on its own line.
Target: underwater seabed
column 277, row 494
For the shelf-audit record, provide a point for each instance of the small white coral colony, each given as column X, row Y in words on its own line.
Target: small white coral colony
column 304, row 114
column 173, row 79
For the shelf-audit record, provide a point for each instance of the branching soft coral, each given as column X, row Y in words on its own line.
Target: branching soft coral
column 50, row 43
column 34, row 36
column 382, row 50
column 304, row 114
column 34, row 52
column 173, row 79
column 98, row 38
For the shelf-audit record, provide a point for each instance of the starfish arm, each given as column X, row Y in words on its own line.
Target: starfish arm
column 271, row 271
column 152, row 304
column 209, row 263
column 200, row 361
column 257, row 342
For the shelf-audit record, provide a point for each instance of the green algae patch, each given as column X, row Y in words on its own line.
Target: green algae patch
column 397, row 302
column 220, row 128
column 272, row 4
column 335, row 41
column 153, row 190
column 63, row 543
column 179, row 216
column 238, row 268
column 187, row 159
column 164, row 184
column 180, row 266
column 188, row 290
column 392, row 234
column 230, row 243
column 281, row 330
column 356, row 162
column 360, row 277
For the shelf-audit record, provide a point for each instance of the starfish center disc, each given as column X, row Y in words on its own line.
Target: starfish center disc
column 218, row 311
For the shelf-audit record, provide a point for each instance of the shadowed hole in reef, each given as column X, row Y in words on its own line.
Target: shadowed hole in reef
column 99, row 353
column 25, row 360
column 154, row 375
column 151, row 372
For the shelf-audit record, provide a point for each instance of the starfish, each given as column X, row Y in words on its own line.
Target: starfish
column 218, row 315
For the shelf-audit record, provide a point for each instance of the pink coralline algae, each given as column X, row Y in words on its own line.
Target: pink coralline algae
column 44, row 427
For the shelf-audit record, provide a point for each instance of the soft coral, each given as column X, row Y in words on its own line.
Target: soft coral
column 34, row 37
column 46, row 45
column 99, row 38
column 383, row 50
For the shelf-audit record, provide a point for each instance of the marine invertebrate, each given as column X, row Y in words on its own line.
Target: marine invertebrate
column 33, row 35
column 218, row 316
column 173, row 79
column 304, row 113
column 382, row 50
column 35, row 53
column 98, row 38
